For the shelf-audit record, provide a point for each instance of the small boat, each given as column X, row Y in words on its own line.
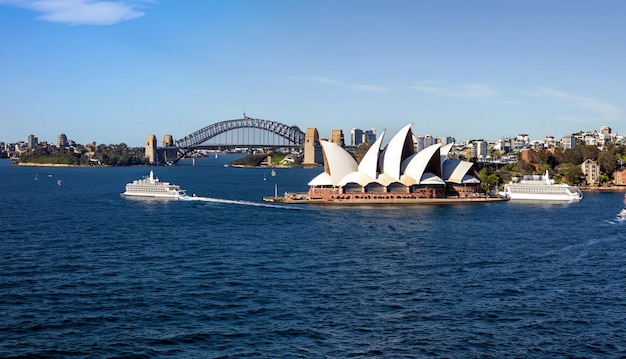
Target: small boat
column 622, row 214
column 153, row 187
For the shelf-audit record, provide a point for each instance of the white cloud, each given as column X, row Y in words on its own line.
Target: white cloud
column 80, row 12
column 472, row 91
column 326, row 81
column 593, row 105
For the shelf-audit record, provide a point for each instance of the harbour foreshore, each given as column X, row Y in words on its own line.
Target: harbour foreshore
column 303, row 198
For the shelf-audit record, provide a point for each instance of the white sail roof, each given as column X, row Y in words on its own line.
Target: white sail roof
column 356, row 177
column 393, row 152
column 443, row 153
column 455, row 170
column 369, row 163
column 415, row 165
column 323, row 179
column 431, row 178
column 337, row 161
column 385, row 179
column 446, row 149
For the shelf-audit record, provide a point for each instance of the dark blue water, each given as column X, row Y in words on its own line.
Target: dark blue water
column 85, row 272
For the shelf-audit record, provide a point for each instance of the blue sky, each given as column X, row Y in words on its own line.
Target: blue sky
column 116, row 71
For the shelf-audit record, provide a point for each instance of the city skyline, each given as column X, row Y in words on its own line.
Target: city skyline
column 347, row 135
column 113, row 72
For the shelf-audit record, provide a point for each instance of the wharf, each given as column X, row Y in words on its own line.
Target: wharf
column 302, row 198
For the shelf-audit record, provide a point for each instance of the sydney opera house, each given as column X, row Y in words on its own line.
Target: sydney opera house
column 396, row 173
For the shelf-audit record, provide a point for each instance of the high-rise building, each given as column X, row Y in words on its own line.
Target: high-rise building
column 424, row 141
column 356, row 137
column 479, row 149
column 369, row 136
column 447, row 140
column 32, row 141
column 61, row 140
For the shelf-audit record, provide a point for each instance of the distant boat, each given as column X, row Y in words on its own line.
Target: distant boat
column 622, row 213
column 541, row 188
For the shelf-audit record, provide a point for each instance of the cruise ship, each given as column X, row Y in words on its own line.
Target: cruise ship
column 152, row 187
column 541, row 188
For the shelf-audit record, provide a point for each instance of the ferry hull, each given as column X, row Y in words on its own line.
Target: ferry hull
column 543, row 197
column 150, row 195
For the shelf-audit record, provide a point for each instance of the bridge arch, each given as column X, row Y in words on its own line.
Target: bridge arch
column 293, row 134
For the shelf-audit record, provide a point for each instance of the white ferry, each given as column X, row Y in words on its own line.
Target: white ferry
column 541, row 188
column 153, row 187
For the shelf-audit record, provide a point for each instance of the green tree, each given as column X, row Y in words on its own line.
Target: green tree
column 488, row 178
column 573, row 173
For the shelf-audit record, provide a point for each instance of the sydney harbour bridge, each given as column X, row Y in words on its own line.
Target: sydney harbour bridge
column 243, row 133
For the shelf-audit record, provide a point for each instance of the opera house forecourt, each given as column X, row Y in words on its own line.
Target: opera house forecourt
column 395, row 174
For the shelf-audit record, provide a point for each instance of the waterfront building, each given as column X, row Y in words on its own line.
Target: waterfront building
column 396, row 170
column 61, row 140
column 619, row 178
column 591, row 170
column 356, row 137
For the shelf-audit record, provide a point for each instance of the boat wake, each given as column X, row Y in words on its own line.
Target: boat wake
column 237, row 202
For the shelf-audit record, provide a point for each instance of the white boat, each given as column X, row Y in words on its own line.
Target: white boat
column 622, row 214
column 541, row 188
column 152, row 187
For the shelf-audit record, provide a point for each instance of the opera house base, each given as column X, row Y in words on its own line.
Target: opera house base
column 380, row 199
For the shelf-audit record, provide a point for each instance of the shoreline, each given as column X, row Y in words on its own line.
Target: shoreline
column 613, row 188
column 28, row 164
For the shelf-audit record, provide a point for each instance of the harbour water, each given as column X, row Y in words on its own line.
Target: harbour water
column 85, row 272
